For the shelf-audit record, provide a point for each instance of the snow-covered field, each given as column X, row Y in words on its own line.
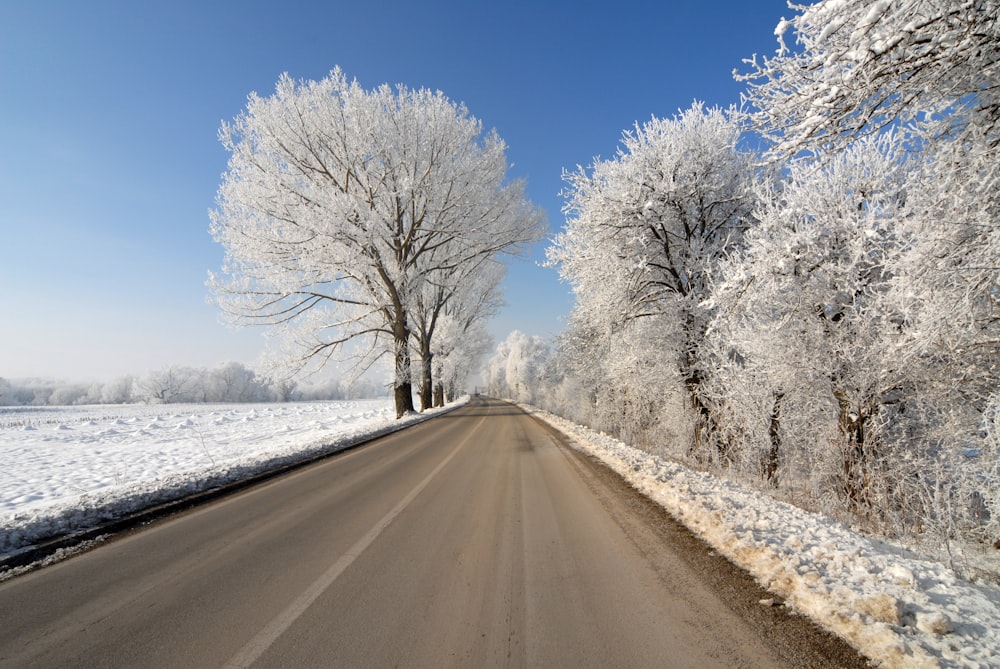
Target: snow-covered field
column 896, row 607
column 70, row 468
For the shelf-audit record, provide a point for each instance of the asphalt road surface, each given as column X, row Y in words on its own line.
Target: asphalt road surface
column 475, row 539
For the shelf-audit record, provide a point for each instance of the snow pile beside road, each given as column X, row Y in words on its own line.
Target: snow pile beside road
column 896, row 607
column 68, row 469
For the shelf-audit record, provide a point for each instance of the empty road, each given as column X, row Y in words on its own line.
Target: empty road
column 475, row 539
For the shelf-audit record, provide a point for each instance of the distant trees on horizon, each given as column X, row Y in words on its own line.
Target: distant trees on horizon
column 229, row 382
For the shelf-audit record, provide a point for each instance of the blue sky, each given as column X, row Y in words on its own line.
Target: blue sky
column 109, row 158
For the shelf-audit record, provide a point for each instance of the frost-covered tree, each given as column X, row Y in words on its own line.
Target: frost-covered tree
column 627, row 376
column 849, row 322
column 340, row 204
column 929, row 69
column 284, row 389
column 645, row 231
column 234, row 382
column 807, row 307
column 450, row 327
column 572, row 373
column 172, row 384
column 988, row 472
column 119, row 390
column 68, row 394
column 451, row 304
column 951, row 289
column 857, row 67
column 463, row 346
column 517, row 368
column 924, row 75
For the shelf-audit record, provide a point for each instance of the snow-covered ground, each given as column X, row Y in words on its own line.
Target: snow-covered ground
column 70, row 468
column 896, row 607
column 66, row 469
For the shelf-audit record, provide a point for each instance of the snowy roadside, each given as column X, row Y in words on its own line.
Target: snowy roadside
column 69, row 470
column 896, row 607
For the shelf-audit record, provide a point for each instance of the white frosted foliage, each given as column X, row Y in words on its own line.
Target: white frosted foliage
column 340, row 205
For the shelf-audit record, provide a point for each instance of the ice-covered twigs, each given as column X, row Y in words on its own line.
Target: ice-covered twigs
column 895, row 606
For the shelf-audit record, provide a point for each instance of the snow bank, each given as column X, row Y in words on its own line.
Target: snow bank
column 68, row 469
column 894, row 606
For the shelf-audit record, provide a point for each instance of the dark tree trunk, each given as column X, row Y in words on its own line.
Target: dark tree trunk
column 708, row 444
column 774, row 432
column 426, row 381
column 439, row 395
column 402, row 385
column 855, row 481
column 403, row 393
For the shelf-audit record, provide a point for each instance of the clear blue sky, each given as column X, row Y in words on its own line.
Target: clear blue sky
column 109, row 159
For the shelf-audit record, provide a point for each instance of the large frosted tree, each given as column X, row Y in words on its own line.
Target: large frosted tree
column 644, row 232
column 808, row 308
column 341, row 204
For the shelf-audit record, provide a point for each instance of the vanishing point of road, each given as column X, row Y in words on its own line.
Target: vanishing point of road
column 475, row 539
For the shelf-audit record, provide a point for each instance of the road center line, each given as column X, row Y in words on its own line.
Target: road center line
column 274, row 629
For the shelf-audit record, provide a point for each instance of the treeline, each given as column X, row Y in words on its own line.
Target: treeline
column 820, row 317
column 227, row 382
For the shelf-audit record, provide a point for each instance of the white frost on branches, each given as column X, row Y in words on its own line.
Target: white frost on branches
column 340, row 205
column 858, row 67
column 644, row 233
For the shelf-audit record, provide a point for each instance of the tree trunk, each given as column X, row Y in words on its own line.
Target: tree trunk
column 708, row 444
column 403, row 394
column 426, row 381
column 774, row 433
column 855, row 464
column 439, row 395
column 402, row 384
